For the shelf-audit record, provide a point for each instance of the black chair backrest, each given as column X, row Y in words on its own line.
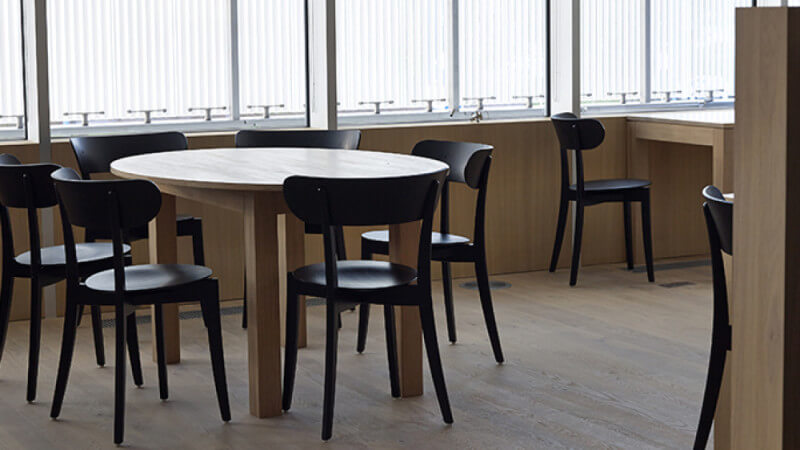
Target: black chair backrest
column 95, row 154
column 469, row 164
column 342, row 139
column 467, row 160
column 90, row 203
column 355, row 202
column 578, row 135
column 720, row 217
column 25, row 186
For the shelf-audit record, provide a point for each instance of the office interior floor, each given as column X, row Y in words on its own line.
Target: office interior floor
column 615, row 362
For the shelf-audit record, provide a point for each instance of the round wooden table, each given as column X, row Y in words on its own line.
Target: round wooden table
column 250, row 180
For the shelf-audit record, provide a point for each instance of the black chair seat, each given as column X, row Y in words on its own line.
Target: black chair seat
column 360, row 275
column 437, row 239
column 148, row 277
column 89, row 252
column 620, row 184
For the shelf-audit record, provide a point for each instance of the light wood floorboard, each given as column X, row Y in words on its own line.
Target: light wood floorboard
column 615, row 362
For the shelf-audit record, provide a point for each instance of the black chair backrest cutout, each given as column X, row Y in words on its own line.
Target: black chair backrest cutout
column 341, row 139
column 95, row 154
column 721, row 211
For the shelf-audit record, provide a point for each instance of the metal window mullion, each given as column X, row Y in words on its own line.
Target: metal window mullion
column 454, row 88
column 645, row 89
column 37, row 110
column 235, row 96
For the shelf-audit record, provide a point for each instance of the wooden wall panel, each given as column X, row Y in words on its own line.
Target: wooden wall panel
column 521, row 209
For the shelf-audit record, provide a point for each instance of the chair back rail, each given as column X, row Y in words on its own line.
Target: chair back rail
column 333, row 139
column 96, row 153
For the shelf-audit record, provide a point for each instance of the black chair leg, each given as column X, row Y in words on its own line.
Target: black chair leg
column 363, row 310
column 65, row 361
column 648, row 238
column 290, row 354
column 331, row 344
column 197, row 244
column 119, row 375
column 482, row 274
column 716, row 367
column 80, row 315
column 161, row 357
column 341, row 250
column 560, row 228
column 6, row 291
column 391, row 349
column 244, row 303
column 97, row 330
column 214, row 327
column 133, row 350
column 576, row 245
column 434, row 360
column 447, row 284
column 626, row 212
column 35, row 337
column 363, row 326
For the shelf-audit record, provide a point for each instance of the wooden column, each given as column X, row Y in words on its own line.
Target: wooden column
column 766, row 231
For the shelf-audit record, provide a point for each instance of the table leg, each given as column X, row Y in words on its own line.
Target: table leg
column 163, row 249
column 263, row 308
column 403, row 248
column 722, row 159
column 295, row 245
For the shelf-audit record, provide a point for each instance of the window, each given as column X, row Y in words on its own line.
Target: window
column 12, row 103
column 392, row 55
column 502, row 54
column 691, row 51
column 272, row 67
column 130, row 63
column 611, row 50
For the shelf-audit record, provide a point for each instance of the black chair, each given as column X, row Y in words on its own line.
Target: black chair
column 95, row 155
column 332, row 203
column 113, row 207
column 719, row 220
column 586, row 134
column 28, row 186
column 469, row 164
column 329, row 139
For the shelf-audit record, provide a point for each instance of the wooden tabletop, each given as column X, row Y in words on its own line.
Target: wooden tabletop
column 720, row 118
column 265, row 169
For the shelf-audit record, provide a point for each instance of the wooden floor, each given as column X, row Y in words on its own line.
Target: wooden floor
column 615, row 362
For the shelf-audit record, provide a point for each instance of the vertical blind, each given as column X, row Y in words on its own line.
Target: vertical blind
column 611, row 43
column 11, row 87
column 391, row 50
column 272, row 68
column 691, row 48
column 693, row 43
column 114, row 56
column 502, row 50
